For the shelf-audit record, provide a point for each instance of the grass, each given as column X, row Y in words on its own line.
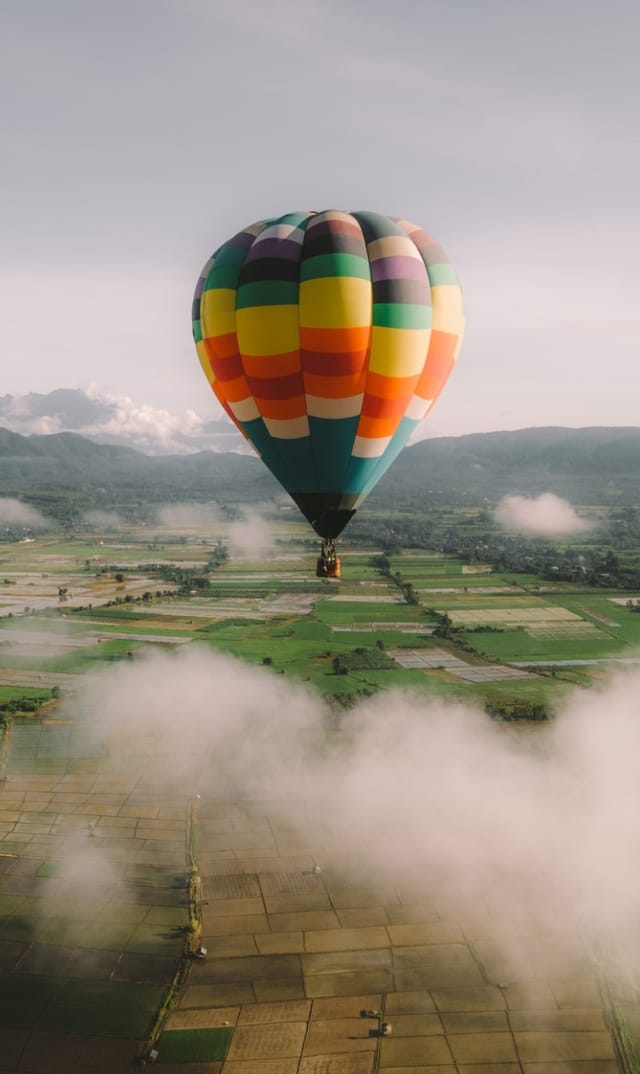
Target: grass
column 93, row 1008
column 17, row 693
column 301, row 642
column 194, row 1045
column 519, row 645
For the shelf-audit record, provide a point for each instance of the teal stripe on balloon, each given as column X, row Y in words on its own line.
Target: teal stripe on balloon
column 338, row 264
column 290, row 461
column 442, row 274
column 267, row 293
column 331, row 443
column 402, row 315
column 229, row 256
column 399, row 441
column 359, row 475
column 223, row 276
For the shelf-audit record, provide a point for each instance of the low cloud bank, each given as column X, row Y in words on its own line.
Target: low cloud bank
column 547, row 515
column 415, row 794
column 250, row 536
column 14, row 513
column 186, row 516
column 103, row 520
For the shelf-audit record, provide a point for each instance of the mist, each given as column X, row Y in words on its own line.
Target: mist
column 417, row 794
column 103, row 520
column 547, row 515
column 178, row 516
column 252, row 536
column 15, row 513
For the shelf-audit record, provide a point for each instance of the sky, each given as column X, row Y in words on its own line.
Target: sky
column 142, row 134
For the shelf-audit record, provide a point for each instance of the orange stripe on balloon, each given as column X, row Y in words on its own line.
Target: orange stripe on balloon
column 335, row 387
column 391, row 387
column 333, row 365
column 282, row 408
column 335, row 340
column 276, row 387
column 442, row 345
column 234, row 390
column 227, row 368
column 375, row 407
column 377, row 427
column 222, row 346
column 433, row 377
column 271, row 365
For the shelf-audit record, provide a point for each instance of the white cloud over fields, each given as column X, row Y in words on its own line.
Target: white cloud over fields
column 547, row 515
column 251, row 536
column 416, row 794
column 14, row 513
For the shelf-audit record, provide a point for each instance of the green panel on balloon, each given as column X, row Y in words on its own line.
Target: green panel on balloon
column 267, row 293
column 230, row 256
column 405, row 429
column 442, row 274
column 338, row 264
column 290, row 461
column 402, row 315
column 331, row 440
column 222, row 276
column 359, row 474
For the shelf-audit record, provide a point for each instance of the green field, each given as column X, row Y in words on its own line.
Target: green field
column 273, row 611
column 194, row 1045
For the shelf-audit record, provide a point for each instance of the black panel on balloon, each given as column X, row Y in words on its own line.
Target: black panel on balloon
column 328, row 513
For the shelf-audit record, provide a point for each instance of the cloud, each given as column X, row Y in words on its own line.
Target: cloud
column 413, row 794
column 180, row 516
column 103, row 520
column 253, row 536
column 147, row 428
column 111, row 418
column 15, row 513
column 546, row 514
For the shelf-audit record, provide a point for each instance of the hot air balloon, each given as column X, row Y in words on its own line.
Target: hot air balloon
column 327, row 337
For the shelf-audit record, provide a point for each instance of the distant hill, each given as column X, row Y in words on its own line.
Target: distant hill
column 595, row 465
column 64, row 466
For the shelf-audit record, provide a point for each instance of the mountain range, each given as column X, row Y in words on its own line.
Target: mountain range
column 586, row 466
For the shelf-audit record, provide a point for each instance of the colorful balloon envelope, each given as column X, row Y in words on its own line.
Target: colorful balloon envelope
column 327, row 337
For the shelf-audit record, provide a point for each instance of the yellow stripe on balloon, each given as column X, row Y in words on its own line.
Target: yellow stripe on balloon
column 335, row 302
column 267, row 329
column 398, row 352
column 218, row 311
column 448, row 315
column 205, row 362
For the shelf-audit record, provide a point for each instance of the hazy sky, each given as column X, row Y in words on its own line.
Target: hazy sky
column 138, row 135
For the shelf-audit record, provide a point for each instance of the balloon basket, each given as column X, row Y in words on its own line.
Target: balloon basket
column 328, row 563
